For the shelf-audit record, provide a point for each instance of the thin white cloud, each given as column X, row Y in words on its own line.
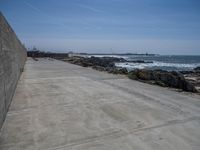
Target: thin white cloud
column 36, row 9
column 90, row 8
column 33, row 7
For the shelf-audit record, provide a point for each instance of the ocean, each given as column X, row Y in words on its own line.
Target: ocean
column 164, row 62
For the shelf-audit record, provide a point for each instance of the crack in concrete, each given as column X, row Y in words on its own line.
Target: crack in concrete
column 122, row 133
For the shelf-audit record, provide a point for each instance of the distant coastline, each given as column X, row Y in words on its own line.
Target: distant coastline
column 122, row 54
column 39, row 52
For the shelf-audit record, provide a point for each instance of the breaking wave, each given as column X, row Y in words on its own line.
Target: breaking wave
column 158, row 65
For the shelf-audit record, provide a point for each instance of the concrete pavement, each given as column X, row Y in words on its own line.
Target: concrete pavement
column 60, row 106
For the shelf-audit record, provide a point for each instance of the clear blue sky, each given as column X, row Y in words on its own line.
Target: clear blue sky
column 154, row 26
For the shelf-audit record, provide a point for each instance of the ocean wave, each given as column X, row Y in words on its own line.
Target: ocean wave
column 116, row 56
column 158, row 65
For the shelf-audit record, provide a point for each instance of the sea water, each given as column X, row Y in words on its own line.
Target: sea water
column 164, row 62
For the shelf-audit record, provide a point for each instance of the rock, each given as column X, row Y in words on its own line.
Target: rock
column 100, row 63
column 194, row 79
column 123, row 71
column 107, row 62
column 186, row 72
column 99, row 68
column 140, row 61
column 197, row 68
column 114, row 71
column 159, row 77
column 163, row 78
column 132, row 75
column 160, row 83
column 142, row 74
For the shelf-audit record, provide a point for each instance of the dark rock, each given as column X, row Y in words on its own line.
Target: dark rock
column 122, row 71
column 163, row 78
column 159, row 77
column 194, row 79
column 113, row 71
column 107, row 62
column 160, row 83
column 99, row 68
column 186, row 72
column 132, row 75
column 140, row 61
column 197, row 68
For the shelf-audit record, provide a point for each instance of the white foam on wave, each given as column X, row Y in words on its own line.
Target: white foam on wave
column 131, row 66
column 116, row 56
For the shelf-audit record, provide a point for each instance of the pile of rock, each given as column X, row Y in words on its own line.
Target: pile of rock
column 179, row 80
column 100, row 61
column 94, row 61
column 163, row 78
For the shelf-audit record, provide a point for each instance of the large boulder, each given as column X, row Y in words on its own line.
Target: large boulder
column 142, row 74
column 163, row 78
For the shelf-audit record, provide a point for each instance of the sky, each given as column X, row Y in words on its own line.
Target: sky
column 107, row 26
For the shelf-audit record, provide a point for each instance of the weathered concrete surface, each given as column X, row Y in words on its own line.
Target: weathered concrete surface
column 60, row 106
column 12, row 59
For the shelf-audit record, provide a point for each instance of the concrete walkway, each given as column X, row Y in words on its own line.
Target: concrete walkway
column 60, row 106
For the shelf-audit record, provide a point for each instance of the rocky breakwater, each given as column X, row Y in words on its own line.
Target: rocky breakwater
column 163, row 78
column 102, row 63
column 178, row 80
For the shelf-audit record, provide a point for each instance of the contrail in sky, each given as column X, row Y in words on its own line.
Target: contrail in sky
column 90, row 8
column 41, row 12
column 33, row 7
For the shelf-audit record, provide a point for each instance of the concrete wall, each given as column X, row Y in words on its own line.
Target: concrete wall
column 12, row 59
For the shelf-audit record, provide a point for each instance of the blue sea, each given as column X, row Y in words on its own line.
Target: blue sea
column 164, row 62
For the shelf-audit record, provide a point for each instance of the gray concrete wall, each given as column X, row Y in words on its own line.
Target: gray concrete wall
column 12, row 60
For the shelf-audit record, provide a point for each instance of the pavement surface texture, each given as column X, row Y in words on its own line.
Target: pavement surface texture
column 61, row 106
